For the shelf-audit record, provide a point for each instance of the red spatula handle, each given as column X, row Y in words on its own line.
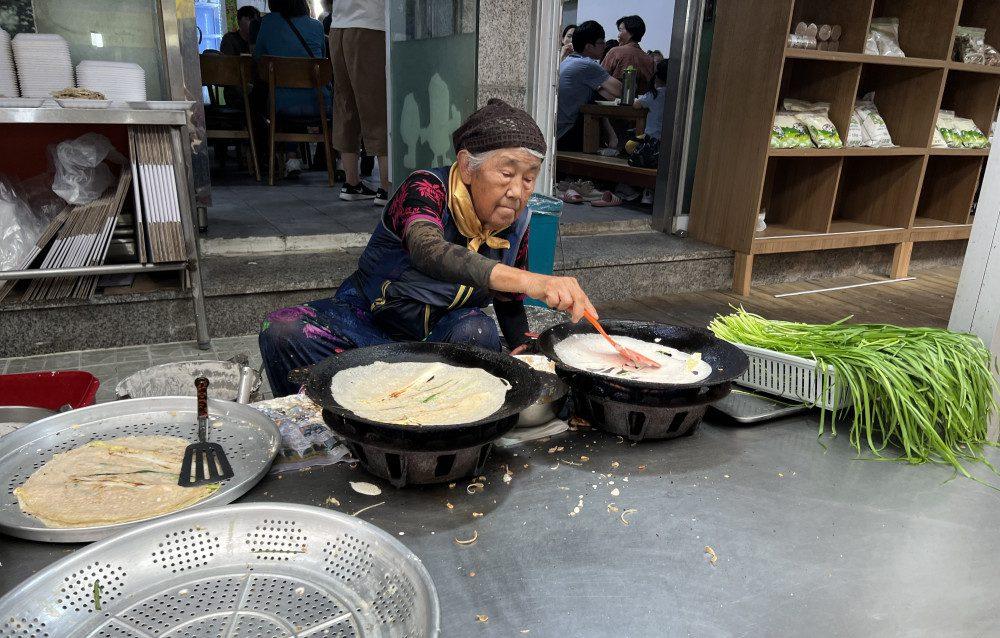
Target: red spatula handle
column 201, row 383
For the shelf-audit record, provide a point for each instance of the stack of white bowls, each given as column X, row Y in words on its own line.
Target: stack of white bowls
column 43, row 64
column 118, row 81
column 8, row 76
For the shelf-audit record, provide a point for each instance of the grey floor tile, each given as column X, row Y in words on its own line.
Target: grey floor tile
column 295, row 228
column 27, row 364
column 186, row 348
column 178, row 358
column 3, row 366
column 130, row 354
column 64, row 361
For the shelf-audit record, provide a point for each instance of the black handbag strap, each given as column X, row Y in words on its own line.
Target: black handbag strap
column 299, row 36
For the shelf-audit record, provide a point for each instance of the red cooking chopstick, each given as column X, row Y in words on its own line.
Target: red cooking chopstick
column 637, row 360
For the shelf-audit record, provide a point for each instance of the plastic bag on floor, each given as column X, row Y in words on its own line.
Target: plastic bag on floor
column 81, row 176
column 20, row 227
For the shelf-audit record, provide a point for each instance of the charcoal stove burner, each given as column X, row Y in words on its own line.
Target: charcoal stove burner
column 409, row 455
column 401, row 466
column 648, row 411
column 637, row 422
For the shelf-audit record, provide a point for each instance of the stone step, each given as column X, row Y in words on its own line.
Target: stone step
column 241, row 289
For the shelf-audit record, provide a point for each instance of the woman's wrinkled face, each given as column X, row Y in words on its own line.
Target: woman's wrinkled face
column 500, row 188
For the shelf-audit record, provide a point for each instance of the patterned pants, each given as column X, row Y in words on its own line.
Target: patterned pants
column 301, row 336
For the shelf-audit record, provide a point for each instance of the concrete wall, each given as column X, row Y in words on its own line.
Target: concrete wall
column 504, row 40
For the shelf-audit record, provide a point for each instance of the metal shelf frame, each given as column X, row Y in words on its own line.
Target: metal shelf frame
column 177, row 121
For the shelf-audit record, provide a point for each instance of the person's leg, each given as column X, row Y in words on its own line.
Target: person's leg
column 366, row 61
column 350, row 161
column 470, row 326
column 300, row 336
column 383, row 171
column 572, row 140
column 346, row 120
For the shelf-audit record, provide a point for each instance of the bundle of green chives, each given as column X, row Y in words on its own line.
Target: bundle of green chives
column 927, row 392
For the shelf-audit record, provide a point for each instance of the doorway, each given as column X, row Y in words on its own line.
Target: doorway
column 431, row 79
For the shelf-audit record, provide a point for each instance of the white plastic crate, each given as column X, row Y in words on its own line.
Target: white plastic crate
column 791, row 377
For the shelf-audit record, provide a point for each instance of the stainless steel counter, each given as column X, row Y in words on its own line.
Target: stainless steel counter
column 810, row 541
column 55, row 115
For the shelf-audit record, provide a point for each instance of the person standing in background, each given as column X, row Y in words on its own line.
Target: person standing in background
column 629, row 53
column 357, row 50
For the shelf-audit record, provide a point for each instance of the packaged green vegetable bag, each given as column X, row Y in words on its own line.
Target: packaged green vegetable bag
column 815, row 116
column 948, row 129
column 788, row 132
column 970, row 134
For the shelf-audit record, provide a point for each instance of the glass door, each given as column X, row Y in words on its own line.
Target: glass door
column 432, row 49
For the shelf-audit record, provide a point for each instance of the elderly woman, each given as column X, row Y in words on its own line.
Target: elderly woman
column 450, row 242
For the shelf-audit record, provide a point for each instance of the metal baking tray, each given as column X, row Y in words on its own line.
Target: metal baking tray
column 250, row 439
column 248, row 570
column 750, row 407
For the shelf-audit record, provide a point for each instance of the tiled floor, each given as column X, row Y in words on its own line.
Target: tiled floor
column 112, row 365
column 242, row 207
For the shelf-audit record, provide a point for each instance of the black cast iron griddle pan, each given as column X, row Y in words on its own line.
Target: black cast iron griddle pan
column 524, row 391
column 727, row 361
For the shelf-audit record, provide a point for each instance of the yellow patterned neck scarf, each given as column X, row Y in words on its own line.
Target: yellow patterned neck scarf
column 464, row 214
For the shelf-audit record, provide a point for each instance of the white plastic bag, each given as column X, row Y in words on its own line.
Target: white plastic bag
column 81, row 176
column 20, row 227
column 872, row 122
column 885, row 31
column 856, row 133
column 871, row 46
column 970, row 45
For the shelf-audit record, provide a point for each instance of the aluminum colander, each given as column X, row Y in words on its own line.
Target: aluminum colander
column 249, row 570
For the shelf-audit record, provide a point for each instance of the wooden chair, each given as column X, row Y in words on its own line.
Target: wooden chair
column 298, row 73
column 229, row 122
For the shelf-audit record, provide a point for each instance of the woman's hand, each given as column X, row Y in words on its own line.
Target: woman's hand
column 562, row 293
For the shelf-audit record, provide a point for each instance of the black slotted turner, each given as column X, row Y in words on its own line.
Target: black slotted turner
column 203, row 462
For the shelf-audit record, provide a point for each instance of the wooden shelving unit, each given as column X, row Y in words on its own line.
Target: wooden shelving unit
column 821, row 199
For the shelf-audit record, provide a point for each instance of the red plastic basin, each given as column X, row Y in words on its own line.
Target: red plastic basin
column 49, row 390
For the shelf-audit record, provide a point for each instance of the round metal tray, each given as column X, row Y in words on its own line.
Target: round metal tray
column 249, row 438
column 257, row 569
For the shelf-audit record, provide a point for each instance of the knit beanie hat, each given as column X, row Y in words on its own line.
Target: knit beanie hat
column 498, row 125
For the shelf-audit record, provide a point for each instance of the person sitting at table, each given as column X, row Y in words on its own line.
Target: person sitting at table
column 289, row 31
column 654, row 101
column 628, row 53
column 450, row 242
column 237, row 41
column 580, row 78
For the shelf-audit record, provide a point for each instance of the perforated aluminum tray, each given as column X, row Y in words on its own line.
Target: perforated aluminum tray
column 256, row 570
column 249, row 438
